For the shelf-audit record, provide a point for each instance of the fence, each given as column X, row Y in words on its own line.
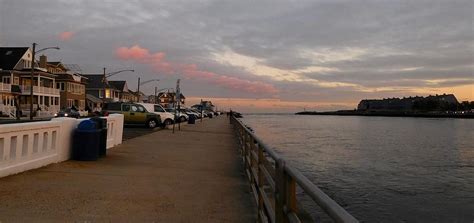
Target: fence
column 274, row 183
column 25, row 146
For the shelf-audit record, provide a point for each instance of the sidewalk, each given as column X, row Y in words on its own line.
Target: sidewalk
column 193, row 175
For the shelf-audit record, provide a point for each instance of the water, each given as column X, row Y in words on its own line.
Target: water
column 381, row 169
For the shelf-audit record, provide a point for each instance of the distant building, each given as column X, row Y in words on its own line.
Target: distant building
column 96, row 85
column 167, row 99
column 124, row 93
column 436, row 102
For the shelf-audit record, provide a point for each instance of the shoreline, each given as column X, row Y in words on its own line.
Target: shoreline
column 390, row 114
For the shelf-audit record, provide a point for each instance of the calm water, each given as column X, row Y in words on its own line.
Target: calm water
column 381, row 169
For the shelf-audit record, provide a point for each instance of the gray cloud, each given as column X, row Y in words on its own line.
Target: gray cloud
column 436, row 36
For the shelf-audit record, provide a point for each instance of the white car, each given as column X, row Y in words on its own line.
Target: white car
column 166, row 117
column 181, row 116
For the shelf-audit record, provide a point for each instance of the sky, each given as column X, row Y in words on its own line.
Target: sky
column 260, row 56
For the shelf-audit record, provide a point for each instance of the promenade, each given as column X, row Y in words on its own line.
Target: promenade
column 193, row 175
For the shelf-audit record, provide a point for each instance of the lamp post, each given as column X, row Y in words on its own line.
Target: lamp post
column 33, row 71
column 106, row 75
column 143, row 83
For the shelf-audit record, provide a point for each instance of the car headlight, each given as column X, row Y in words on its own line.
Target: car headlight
column 65, row 115
column 55, row 114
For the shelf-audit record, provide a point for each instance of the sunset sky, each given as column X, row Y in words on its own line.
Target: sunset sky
column 260, row 56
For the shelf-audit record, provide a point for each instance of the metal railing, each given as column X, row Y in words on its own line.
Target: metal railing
column 274, row 182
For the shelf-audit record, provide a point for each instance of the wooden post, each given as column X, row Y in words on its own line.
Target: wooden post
column 290, row 194
column 280, row 191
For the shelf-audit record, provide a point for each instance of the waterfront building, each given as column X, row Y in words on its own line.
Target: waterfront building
column 71, row 85
column 432, row 102
column 167, row 99
column 124, row 93
column 15, row 79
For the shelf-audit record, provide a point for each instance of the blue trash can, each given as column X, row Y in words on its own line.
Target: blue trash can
column 86, row 141
column 101, row 124
column 192, row 119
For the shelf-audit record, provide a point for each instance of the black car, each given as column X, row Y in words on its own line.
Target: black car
column 68, row 112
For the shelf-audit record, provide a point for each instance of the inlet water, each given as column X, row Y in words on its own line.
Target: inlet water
column 381, row 169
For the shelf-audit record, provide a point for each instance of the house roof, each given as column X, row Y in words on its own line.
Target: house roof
column 55, row 63
column 93, row 98
column 95, row 81
column 9, row 56
column 119, row 85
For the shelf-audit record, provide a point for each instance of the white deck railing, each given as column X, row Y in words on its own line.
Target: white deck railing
column 39, row 90
column 26, row 146
column 5, row 87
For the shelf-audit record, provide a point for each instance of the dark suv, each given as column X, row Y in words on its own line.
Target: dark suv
column 133, row 113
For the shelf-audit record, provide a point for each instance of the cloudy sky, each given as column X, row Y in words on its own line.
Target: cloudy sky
column 275, row 56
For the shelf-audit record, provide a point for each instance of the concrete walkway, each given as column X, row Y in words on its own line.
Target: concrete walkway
column 193, row 175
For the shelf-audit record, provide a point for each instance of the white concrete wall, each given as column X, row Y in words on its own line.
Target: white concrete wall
column 26, row 146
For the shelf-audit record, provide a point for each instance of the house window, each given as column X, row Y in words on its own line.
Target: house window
column 6, row 80
column 101, row 94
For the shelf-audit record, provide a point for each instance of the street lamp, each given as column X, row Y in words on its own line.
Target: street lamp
column 32, row 73
column 143, row 83
column 106, row 75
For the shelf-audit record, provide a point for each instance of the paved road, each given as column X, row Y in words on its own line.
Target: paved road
column 191, row 176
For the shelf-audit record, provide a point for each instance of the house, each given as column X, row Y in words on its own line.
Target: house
column 16, row 81
column 167, row 99
column 95, row 87
column 71, row 85
column 125, row 94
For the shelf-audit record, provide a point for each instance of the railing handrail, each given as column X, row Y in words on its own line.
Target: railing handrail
column 331, row 207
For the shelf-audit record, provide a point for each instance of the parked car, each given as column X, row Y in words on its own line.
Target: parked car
column 133, row 113
column 189, row 112
column 181, row 116
column 166, row 117
column 67, row 112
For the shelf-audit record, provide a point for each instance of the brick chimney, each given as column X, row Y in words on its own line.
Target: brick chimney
column 43, row 61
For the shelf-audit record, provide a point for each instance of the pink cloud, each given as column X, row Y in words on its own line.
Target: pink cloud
column 191, row 71
column 65, row 36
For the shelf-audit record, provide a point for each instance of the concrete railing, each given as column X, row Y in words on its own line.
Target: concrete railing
column 26, row 146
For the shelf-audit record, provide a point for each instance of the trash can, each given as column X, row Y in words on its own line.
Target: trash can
column 86, row 141
column 101, row 124
column 192, row 119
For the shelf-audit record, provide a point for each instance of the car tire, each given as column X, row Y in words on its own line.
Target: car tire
column 152, row 123
column 168, row 122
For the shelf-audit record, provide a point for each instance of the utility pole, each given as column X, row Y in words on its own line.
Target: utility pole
column 31, row 84
column 155, row 99
column 104, row 81
column 138, row 90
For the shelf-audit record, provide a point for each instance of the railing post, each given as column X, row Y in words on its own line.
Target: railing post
column 290, row 194
column 280, row 191
column 260, row 183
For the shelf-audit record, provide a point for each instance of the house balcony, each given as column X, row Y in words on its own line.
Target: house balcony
column 5, row 87
column 26, row 90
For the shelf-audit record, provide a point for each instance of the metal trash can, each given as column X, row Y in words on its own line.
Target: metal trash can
column 86, row 141
column 101, row 124
column 192, row 119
